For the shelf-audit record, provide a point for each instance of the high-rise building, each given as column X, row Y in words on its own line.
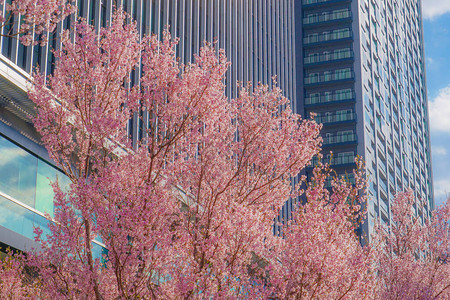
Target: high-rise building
column 360, row 68
column 257, row 35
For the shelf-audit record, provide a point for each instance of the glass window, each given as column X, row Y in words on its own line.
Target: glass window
column 346, row 135
column 17, row 172
column 26, row 178
column 341, row 95
column 342, row 53
column 312, row 38
column 47, row 174
column 20, row 219
column 344, row 115
column 348, row 93
column 312, row 58
column 341, row 13
column 315, row 98
column 311, row 18
column 103, row 14
column 343, row 73
column 346, row 157
column 313, row 78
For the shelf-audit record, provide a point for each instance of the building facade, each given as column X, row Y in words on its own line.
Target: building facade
column 257, row 35
column 360, row 68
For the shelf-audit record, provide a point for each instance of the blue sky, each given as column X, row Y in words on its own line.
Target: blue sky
column 436, row 25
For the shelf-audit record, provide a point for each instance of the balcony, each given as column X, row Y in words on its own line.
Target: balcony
column 336, row 35
column 346, row 138
column 309, row 3
column 337, row 97
column 336, row 56
column 350, row 178
column 335, row 161
column 327, row 17
column 338, row 75
column 336, row 117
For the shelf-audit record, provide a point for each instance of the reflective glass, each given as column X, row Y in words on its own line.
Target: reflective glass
column 99, row 252
column 47, row 174
column 44, row 191
column 16, row 218
column 21, row 220
column 17, row 172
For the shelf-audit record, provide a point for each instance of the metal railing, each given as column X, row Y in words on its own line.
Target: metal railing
column 339, row 160
column 350, row 178
column 308, row 2
column 335, row 117
column 311, row 59
column 332, row 97
column 319, row 78
column 339, row 138
column 326, row 17
column 324, row 37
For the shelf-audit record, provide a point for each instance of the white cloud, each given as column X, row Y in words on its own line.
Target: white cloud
column 435, row 8
column 441, row 190
column 439, row 150
column 440, row 111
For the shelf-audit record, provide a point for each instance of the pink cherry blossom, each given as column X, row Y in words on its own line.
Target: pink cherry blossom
column 413, row 254
column 36, row 16
column 320, row 256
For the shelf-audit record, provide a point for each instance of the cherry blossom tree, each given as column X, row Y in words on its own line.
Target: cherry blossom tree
column 23, row 18
column 16, row 280
column 184, row 213
column 321, row 257
column 413, row 253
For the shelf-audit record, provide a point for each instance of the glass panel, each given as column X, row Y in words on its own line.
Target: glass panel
column 20, row 219
column 44, row 191
column 99, row 252
column 17, row 172
column 46, row 174
column 27, row 179
column 40, row 221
